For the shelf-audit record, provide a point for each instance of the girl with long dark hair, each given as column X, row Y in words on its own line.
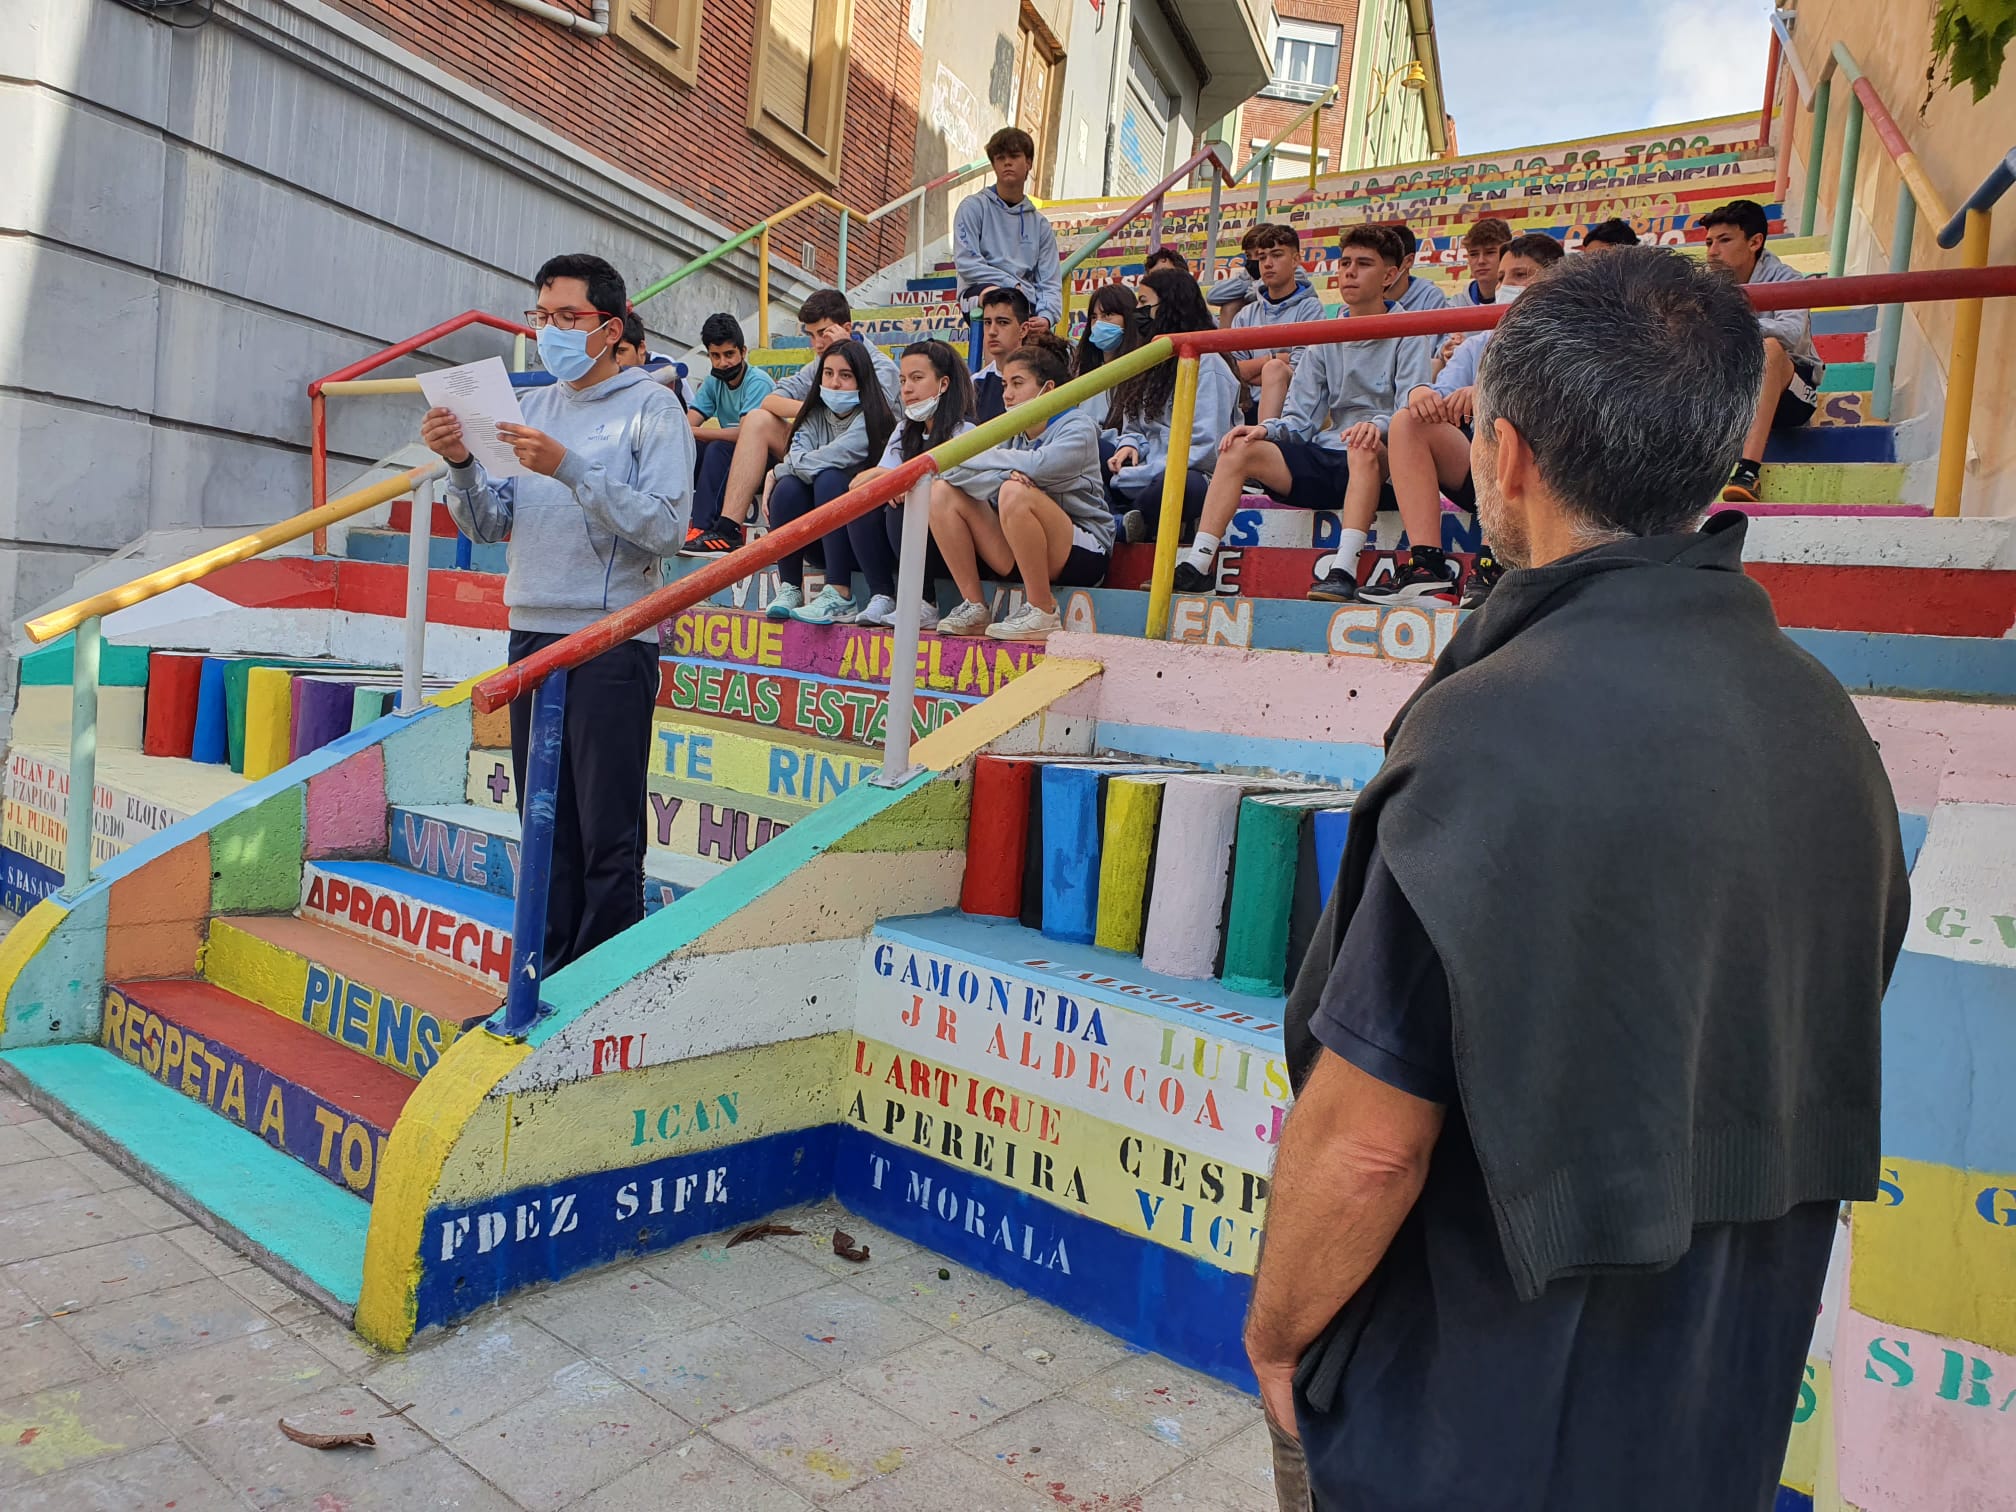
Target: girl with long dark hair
column 1139, row 411
column 845, row 422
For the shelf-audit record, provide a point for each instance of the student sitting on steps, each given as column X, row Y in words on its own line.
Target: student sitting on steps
column 1140, row 409
column 1282, row 296
column 766, row 430
column 1165, row 257
column 1330, row 440
column 937, row 405
column 1004, row 322
column 1034, row 505
column 730, row 390
column 1428, row 454
column 1113, row 328
column 1483, row 244
column 1614, row 232
column 1234, row 291
column 844, row 423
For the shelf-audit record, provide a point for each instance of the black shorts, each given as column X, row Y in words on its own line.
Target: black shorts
column 1793, row 411
column 1084, row 568
column 1316, row 474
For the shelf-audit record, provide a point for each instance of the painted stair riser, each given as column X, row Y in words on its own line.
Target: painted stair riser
column 435, row 847
column 722, row 757
column 797, row 705
column 457, row 927
column 351, row 1010
column 365, row 545
column 683, row 819
column 402, row 519
column 326, row 1139
column 848, row 653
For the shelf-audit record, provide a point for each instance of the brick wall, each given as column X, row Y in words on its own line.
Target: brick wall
column 691, row 142
column 1263, row 117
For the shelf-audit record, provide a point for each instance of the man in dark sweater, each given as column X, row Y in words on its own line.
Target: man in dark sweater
column 1586, row 1047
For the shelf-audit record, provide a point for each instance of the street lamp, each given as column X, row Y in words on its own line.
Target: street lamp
column 1410, row 75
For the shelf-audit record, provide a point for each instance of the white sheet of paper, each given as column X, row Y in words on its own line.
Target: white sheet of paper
column 481, row 396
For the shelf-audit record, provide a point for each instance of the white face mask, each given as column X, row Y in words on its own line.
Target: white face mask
column 1507, row 293
column 924, row 409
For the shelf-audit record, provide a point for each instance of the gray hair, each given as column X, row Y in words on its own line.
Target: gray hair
column 1634, row 377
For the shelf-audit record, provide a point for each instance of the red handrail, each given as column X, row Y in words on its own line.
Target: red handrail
column 1190, row 165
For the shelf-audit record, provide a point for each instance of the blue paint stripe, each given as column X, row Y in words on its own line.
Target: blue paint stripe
column 24, row 881
column 454, row 897
column 273, row 1200
column 211, row 743
column 1844, row 322
column 1792, row 1501
column 1335, row 761
column 1150, row 1295
column 1949, row 1056
column 367, row 545
column 473, row 1254
column 1911, row 828
column 1920, row 665
column 1071, row 840
column 1833, row 443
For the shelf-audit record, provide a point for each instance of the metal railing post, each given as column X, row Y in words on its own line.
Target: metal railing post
column 465, row 551
column 1260, row 187
column 1182, row 416
column 973, row 330
column 1214, row 224
column 1890, row 321
column 1844, row 197
column 318, row 462
column 83, row 805
column 419, row 545
column 1809, row 192
column 1960, row 375
column 518, row 353
column 901, row 709
column 1315, row 147
column 763, row 289
column 840, row 280
column 1155, row 224
column 538, row 804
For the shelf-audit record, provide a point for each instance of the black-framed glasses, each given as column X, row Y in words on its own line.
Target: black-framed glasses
column 567, row 320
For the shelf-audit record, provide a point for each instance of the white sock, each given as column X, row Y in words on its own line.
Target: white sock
column 1349, row 544
column 1202, row 550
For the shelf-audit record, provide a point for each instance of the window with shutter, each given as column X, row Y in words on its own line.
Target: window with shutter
column 799, row 88
column 787, row 76
column 665, row 31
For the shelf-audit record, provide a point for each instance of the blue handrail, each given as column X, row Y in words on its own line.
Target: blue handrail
column 1993, row 187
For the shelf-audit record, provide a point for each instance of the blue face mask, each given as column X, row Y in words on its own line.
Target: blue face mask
column 840, row 401
column 564, row 354
column 1105, row 335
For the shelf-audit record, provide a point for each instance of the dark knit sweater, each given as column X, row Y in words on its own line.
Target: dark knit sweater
column 1658, row 856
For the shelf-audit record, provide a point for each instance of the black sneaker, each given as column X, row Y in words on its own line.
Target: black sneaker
column 1338, row 586
column 1429, row 574
column 1193, row 579
column 1134, row 527
column 718, row 539
column 1483, row 578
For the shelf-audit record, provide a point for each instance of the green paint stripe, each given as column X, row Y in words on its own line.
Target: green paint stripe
column 273, row 1200
column 1848, row 377
column 118, row 666
column 1263, row 884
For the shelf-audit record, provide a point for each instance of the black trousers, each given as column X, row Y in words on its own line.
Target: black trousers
column 710, row 480
column 597, row 888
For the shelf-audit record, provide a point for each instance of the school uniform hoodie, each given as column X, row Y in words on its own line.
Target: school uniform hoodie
column 1792, row 328
column 801, row 384
column 1062, row 459
column 1009, row 246
column 1217, row 402
column 1300, row 303
column 1340, row 385
column 588, row 540
column 825, row 441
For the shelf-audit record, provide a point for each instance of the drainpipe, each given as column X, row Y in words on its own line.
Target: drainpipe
column 1116, row 80
column 596, row 25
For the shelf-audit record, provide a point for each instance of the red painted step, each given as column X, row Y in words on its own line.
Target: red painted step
column 402, row 518
column 1842, row 346
column 325, row 1105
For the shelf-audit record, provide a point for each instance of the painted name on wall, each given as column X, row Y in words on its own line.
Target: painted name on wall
column 800, row 705
column 850, row 653
column 382, row 1026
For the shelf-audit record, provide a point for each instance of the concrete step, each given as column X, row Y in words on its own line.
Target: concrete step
column 402, row 519
column 794, row 703
column 451, row 926
column 477, row 846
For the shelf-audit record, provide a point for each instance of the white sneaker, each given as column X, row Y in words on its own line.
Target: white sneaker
column 927, row 615
column 968, row 619
column 830, row 607
column 1027, row 624
column 881, row 610
column 787, row 600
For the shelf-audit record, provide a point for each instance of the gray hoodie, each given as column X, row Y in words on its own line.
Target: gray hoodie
column 1062, row 459
column 1301, row 303
column 1217, row 409
column 1009, row 246
column 799, row 385
column 587, row 540
column 1339, row 385
column 1793, row 329
column 824, row 441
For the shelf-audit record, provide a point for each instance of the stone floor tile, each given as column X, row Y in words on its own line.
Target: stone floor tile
column 339, row 1344
column 471, row 1375
column 272, row 1296
column 946, row 1385
column 584, row 1430
column 913, row 1283
column 53, row 1178
column 943, row 1480
column 1198, row 1487
column 714, row 1372
column 56, row 1141
column 836, row 1327
column 196, row 1388
column 254, row 1458
column 134, row 1329
column 215, row 1255
column 166, row 1475
column 16, row 1110
column 824, row 1439
column 1248, row 1454
column 129, row 1267
column 55, row 1228
column 1072, row 1455
column 1178, row 1406
column 700, row 1475
column 822, row 1218
column 1038, row 1338
column 615, row 1312
column 150, row 1209
column 17, row 1143
column 432, row 1482
column 55, row 1431
column 99, row 1171
column 734, row 1280
column 36, row 1355
column 17, row 1308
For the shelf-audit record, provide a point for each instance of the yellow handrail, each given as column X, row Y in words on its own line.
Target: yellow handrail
column 48, row 626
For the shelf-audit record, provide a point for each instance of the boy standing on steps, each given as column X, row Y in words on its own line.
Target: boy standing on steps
column 605, row 497
column 1001, row 241
column 1330, row 439
column 1792, row 367
column 730, row 390
column 766, row 430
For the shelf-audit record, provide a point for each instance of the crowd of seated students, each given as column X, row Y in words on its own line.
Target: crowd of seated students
column 1344, row 426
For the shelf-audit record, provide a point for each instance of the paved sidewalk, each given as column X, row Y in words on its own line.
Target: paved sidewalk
column 144, row 1365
